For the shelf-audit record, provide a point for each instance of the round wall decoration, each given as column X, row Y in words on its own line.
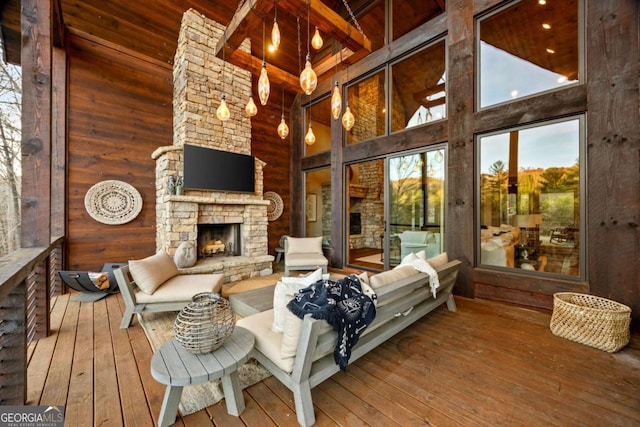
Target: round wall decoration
column 113, row 202
column 275, row 208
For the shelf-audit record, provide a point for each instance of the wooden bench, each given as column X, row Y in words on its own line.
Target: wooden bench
column 400, row 304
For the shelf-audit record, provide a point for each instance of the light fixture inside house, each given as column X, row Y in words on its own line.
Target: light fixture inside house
column 347, row 118
column 439, row 156
column 420, row 121
column 310, row 138
column 275, row 31
column 283, row 129
column 308, row 77
column 223, row 112
column 251, row 109
column 317, row 41
column 429, row 115
column 336, row 102
column 546, row 26
column 549, row 50
column 264, row 87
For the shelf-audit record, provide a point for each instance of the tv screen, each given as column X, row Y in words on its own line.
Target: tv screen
column 209, row 169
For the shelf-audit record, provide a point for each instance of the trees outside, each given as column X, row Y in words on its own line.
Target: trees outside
column 10, row 142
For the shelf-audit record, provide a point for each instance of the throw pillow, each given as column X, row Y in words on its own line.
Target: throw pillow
column 185, row 255
column 284, row 291
column 100, row 280
column 304, row 245
column 408, row 259
column 151, row 272
column 438, row 260
column 386, row 277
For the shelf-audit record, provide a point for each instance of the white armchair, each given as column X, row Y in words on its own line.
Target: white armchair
column 416, row 241
column 304, row 253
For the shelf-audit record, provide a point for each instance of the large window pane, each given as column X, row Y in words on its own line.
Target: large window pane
column 530, row 198
column 367, row 100
column 407, row 15
column 418, row 90
column 527, row 48
column 319, row 115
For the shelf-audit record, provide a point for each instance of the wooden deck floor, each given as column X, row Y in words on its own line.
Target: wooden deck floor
column 486, row 365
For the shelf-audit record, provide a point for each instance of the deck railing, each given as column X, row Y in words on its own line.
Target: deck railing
column 28, row 280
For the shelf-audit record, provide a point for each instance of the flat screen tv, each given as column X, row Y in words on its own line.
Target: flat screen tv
column 209, row 169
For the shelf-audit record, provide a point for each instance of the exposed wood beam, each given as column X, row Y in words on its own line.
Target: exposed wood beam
column 246, row 18
column 421, row 95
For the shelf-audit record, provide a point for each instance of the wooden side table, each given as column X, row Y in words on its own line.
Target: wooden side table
column 176, row 367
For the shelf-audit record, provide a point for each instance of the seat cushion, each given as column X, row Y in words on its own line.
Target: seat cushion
column 268, row 342
column 182, row 288
column 149, row 273
column 300, row 260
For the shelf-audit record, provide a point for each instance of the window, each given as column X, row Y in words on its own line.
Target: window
column 367, row 100
column 418, row 88
column 319, row 115
column 527, row 48
column 318, row 204
column 531, row 198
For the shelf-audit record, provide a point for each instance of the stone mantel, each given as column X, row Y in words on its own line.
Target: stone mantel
column 216, row 201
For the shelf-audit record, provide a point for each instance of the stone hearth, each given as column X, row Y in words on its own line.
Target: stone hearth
column 197, row 88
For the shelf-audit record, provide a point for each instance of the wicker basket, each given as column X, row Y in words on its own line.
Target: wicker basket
column 204, row 324
column 591, row 320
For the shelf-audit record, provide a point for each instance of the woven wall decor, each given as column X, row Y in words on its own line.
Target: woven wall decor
column 113, row 202
column 275, row 208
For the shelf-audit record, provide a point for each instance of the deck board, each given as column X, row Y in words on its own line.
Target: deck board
column 488, row 364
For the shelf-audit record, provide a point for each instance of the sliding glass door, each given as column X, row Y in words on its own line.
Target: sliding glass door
column 395, row 206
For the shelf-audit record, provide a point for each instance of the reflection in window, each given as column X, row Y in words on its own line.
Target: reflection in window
column 528, row 48
column 530, row 198
column 367, row 100
column 319, row 115
column 410, row 14
column 418, row 90
column 318, row 204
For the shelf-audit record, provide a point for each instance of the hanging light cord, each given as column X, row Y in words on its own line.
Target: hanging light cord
column 224, row 48
column 353, row 17
column 308, row 15
column 263, row 44
column 299, row 48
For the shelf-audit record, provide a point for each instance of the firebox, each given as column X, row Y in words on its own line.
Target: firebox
column 218, row 240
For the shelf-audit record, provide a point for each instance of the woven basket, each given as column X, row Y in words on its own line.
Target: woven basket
column 204, row 324
column 591, row 320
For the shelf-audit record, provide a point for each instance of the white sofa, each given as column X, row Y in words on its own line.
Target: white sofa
column 497, row 245
column 301, row 357
column 304, row 253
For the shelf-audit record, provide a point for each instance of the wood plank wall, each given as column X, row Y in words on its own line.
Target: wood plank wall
column 119, row 112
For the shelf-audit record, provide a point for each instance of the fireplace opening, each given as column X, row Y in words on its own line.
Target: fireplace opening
column 216, row 240
column 355, row 223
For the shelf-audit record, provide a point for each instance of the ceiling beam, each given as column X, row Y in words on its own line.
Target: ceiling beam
column 252, row 64
column 248, row 17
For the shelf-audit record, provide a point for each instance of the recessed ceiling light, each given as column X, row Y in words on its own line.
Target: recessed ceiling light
column 542, row 2
column 550, row 50
column 546, row 26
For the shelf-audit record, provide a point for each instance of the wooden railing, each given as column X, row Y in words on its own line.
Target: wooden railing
column 28, row 280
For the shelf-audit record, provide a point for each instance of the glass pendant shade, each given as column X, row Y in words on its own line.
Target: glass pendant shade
column 283, row 129
column 420, row 121
column 223, row 111
column 264, row 87
column 275, row 35
column 336, row 102
column 251, row 109
column 347, row 119
column 317, row 41
column 308, row 78
column 310, row 138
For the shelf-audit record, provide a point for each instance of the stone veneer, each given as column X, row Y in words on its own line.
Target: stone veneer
column 197, row 84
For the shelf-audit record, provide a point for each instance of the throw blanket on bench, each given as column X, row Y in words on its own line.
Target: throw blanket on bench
column 343, row 305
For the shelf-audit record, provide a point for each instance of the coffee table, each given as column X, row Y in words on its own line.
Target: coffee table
column 254, row 301
column 176, row 367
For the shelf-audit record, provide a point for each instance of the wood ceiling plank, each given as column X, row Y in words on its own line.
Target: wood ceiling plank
column 254, row 65
column 247, row 17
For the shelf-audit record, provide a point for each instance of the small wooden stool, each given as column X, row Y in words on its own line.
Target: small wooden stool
column 176, row 367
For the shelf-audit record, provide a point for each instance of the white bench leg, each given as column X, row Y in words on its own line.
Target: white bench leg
column 304, row 404
column 233, row 394
column 451, row 303
column 169, row 406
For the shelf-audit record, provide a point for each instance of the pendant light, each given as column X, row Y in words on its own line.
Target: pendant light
column 222, row 112
column 264, row 87
column 275, row 31
column 310, row 138
column 251, row 109
column 317, row 41
column 283, row 129
column 336, row 97
column 308, row 77
column 347, row 118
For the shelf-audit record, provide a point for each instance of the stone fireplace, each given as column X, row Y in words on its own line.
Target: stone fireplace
column 197, row 84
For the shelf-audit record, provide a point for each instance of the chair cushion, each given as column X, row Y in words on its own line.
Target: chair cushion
column 300, row 260
column 304, row 245
column 149, row 273
column 267, row 342
column 182, row 288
